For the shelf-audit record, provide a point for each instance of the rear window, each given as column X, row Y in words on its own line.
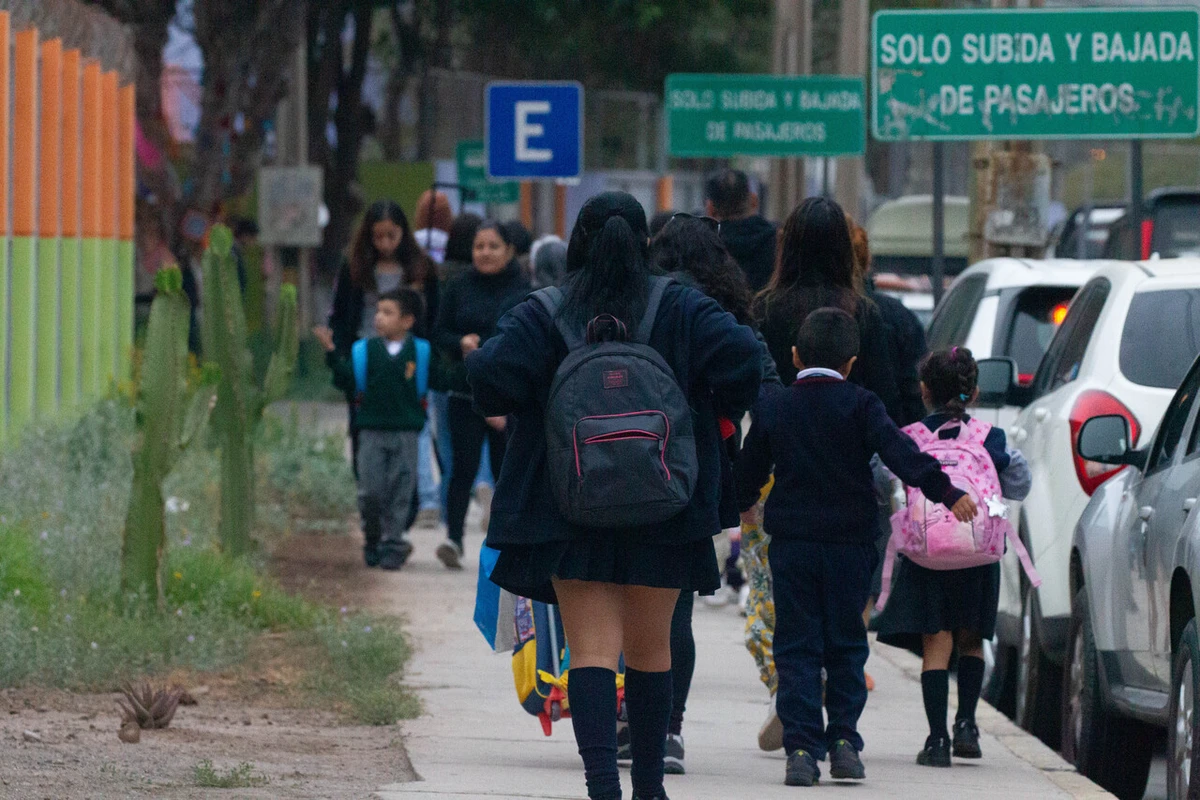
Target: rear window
column 1176, row 232
column 1161, row 337
column 1039, row 312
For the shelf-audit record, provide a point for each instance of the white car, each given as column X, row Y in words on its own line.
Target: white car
column 1127, row 341
column 1008, row 308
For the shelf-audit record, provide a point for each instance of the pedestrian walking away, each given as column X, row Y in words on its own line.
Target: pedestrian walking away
column 473, row 304
column 816, row 268
column 819, row 437
column 433, row 221
column 384, row 256
column 388, row 375
column 936, row 610
column 751, row 239
column 689, row 250
column 617, row 579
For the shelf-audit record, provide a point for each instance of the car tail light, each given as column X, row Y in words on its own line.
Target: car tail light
column 1095, row 403
column 1025, row 379
column 1147, row 238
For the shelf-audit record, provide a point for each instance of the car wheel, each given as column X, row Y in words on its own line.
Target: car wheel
column 1183, row 780
column 1000, row 684
column 1113, row 751
column 1039, row 682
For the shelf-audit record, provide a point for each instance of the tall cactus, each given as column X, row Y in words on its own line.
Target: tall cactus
column 240, row 404
column 167, row 422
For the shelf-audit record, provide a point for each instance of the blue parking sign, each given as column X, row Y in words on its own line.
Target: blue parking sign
column 534, row 130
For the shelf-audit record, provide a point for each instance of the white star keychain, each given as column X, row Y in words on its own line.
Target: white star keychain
column 997, row 507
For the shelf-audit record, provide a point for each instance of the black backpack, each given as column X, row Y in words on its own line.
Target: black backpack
column 619, row 436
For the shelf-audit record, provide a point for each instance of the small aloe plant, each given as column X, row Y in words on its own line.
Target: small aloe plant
column 169, row 415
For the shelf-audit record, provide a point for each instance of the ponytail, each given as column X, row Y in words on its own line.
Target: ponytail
column 950, row 377
column 607, row 261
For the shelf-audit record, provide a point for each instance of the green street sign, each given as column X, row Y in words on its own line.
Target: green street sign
column 472, row 176
column 1033, row 74
column 711, row 116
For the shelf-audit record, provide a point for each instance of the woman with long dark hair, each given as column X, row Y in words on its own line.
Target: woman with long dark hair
column 384, row 256
column 474, row 302
column 616, row 587
column 689, row 249
column 815, row 269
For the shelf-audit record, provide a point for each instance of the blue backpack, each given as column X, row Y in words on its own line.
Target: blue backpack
column 358, row 356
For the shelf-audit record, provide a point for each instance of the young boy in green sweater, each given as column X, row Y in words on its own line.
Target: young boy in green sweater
column 389, row 375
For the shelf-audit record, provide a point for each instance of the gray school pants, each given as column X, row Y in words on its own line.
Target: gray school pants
column 387, row 479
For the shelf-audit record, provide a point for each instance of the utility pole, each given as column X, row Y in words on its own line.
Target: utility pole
column 852, row 61
column 791, row 55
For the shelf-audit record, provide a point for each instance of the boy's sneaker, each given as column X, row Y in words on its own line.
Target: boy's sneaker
column 450, row 554
column 802, row 770
column 394, row 558
column 371, row 555
column 966, row 740
column 624, row 753
column 673, row 760
column 770, row 736
column 936, row 752
column 844, row 763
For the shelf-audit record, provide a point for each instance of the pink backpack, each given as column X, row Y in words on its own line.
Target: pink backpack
column 928, row 534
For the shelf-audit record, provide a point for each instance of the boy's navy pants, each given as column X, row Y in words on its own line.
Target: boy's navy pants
column 820, row 593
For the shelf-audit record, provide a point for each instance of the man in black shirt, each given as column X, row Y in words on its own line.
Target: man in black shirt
column 749, row 237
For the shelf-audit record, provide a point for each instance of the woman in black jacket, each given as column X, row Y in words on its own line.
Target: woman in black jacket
column 384, row 256
column 616, row 588
column 816, row 269
column 472, row 305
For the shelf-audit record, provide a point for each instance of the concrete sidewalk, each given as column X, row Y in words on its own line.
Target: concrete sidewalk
column 474, row 740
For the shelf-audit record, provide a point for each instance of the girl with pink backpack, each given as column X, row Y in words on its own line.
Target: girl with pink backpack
column 947, row 588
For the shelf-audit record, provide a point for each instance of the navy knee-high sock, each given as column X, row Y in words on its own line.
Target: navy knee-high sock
column 970, row 685
column 935, row 690
column 593, row 696
column 648, row 699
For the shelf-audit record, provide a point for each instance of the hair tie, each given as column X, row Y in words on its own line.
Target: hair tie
column 964, row 397
column 953, row 352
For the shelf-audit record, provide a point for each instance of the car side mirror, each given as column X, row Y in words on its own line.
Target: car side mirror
column 997, row 380
column 1106, row 440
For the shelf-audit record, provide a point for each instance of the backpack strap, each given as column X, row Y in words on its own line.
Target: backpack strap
column 423, row 356
column 551, row 299
column 889, row 561
column 358, row 358
column 1023, row 556
column 919, row 434
column 657, row 287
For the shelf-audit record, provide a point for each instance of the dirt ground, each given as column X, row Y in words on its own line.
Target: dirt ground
column 56, row 744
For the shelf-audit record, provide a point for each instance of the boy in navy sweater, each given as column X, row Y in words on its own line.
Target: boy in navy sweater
column 390, row 416
column 818, row 437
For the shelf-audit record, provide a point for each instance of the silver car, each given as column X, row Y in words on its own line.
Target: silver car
column 1133, row 650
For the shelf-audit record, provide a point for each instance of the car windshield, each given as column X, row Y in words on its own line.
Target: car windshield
column 1175, row 231
column 1161, row 337
column 1040, row 310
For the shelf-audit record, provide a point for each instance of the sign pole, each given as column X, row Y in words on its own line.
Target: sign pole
column 1081, row 242
column 938, row 267
column 1136, row 182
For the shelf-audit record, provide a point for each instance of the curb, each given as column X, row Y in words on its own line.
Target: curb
column 1020, row 743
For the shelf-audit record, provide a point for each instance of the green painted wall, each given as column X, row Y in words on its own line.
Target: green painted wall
column 48, row 362
column 69, row 319
column 90, row 317
column 22, row 333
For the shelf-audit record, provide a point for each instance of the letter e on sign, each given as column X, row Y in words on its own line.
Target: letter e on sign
column 527, row 130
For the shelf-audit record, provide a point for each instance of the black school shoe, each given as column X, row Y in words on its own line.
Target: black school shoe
column 966, row 740
column 393, row 557
column 802, row 770
column 936, row 752
column 649, row 797
column 844, row 763
column 371, row 556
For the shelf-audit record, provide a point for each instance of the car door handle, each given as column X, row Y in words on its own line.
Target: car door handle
column 1146, row 513
column 1040, row 414
column 1188, row 505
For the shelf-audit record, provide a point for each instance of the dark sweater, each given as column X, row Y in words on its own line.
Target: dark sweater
column 715, row 360
column 906, row 347
column 751, row 242
column 819, row 436
column 473, row 303
column 390, row 401
column 874, row 369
